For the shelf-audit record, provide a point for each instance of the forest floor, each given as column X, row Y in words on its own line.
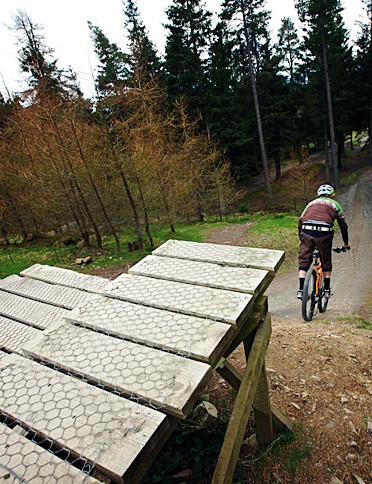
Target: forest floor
column 319, row 372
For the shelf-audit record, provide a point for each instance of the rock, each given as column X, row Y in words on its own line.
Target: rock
column 252, row 441
column 344, row 399
column 83, row 260
column 295, row 405
column 314, row 377
column 205, row 412
column 183, row 476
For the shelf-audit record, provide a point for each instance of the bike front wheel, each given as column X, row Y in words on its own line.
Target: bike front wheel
column 322, row 301
column 309, row 295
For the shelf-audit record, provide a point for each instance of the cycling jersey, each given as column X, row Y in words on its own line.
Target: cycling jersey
column 320, row 214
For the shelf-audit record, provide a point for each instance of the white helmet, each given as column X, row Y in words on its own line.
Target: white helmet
column 325, row 191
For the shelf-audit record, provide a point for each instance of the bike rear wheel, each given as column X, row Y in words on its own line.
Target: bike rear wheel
column 322, row 301
column 308, row 296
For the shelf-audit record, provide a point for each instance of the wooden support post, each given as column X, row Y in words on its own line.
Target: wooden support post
column 229, row 454
column 229, row 373
column 262, row 411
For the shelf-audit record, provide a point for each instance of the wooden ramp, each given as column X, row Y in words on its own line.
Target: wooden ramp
column 96, row 374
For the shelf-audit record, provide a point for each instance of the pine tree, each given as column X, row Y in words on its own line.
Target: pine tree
column 113, row 70
column 36, row 60
column 189, row 30
column 363, row 78
column 252, row 20
column 144, row 61
column 326, row 41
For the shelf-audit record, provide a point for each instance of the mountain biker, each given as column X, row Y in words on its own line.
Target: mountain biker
column 315, row 229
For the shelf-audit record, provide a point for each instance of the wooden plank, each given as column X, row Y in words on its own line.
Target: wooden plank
column 202, row 273
column 200, row 338
column 65, row 297
column 168, row 382
column 21, row 460
column 65, row 277
column 269, row 260
column 28, row 311
column 229, row 454
column 13, row 334
column 262, row 411
column 109, row 431
column 227, row 306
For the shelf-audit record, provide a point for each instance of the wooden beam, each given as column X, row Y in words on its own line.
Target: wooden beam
column 262, row 411
column 229, row 454
column 229, row 373
column 246, row 328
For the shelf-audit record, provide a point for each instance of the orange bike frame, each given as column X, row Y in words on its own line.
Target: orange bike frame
column 319, row 274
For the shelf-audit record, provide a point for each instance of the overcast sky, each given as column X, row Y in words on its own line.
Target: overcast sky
column 66, row 30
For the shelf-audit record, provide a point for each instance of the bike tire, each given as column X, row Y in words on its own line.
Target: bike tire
column 322, row 301
column 308, row 296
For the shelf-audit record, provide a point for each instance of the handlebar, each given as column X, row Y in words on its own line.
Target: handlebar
column 340, row 249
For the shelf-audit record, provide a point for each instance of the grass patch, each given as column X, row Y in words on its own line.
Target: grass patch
column 270, row 231
column 276, row 231
column 285, row 456
column 356, row 321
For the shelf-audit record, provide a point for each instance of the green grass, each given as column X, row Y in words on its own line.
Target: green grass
column 356, row 321
column 271, row 231
column 287, row 454
column 276, row 231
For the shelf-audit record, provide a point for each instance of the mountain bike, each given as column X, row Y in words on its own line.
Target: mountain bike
column 313, row 293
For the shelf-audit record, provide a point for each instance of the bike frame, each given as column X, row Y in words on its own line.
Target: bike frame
column 317, row 265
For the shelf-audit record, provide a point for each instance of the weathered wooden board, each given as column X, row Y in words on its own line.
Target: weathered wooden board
column 200, row 338
column 65, row 297
column 29, row 311
column 202, row 273
column 269, row 260
column 23, row 461
column 13, row 334
column 65, row 277
column 167, row 381
column 227, row 306
column 109, row 431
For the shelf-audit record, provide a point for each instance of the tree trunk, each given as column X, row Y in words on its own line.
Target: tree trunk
column 75, row 182
column 145, row 213
column 278, row 170
column 330, row 115
column 96, row 191
column 135, row 211
column 265, row 161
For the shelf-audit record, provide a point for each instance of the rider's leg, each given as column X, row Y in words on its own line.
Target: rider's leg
column 325, row 249
column 304, row 260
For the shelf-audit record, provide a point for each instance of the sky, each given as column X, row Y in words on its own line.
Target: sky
column 66, row 30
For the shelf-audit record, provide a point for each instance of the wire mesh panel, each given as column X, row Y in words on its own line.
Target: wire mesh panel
column 65, row 297
column 65, row 277
column 269, row 260
column 202, row 273
column 207, row 302
column 23, row 461
column 200, row 338
column 13, row 335
column 80, row 423
column 29, row 311
column 164, row 380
